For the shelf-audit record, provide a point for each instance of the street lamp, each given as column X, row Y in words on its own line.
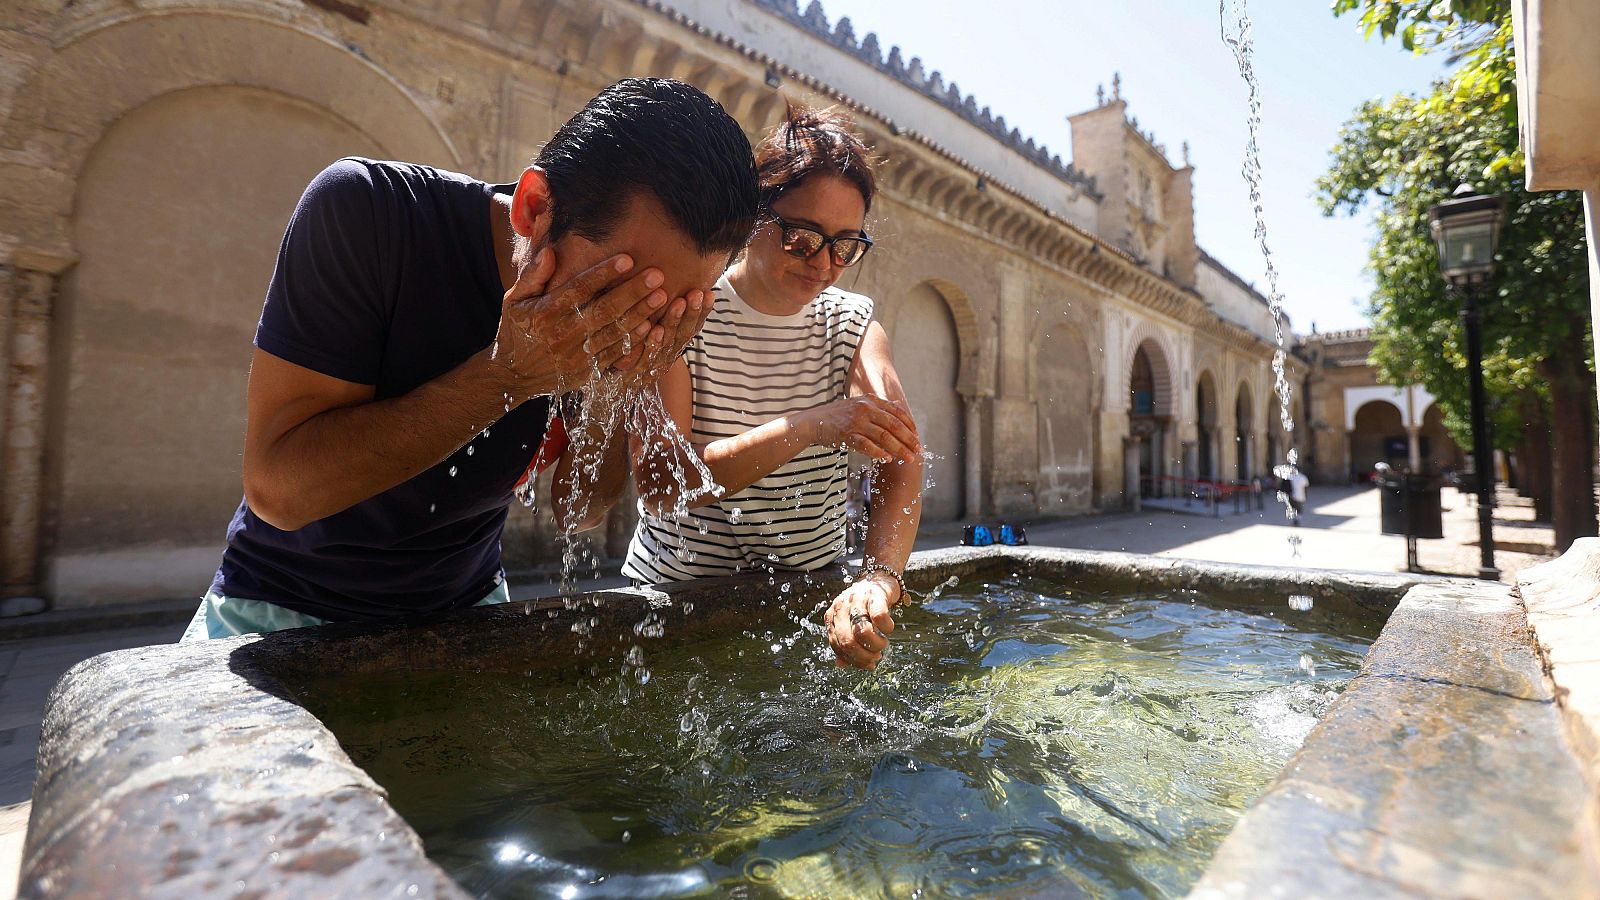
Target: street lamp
column 1466, row 228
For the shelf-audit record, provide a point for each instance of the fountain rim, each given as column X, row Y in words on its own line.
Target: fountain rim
column 216, row 723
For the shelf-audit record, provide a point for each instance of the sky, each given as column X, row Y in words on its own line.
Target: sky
column 1037, row 61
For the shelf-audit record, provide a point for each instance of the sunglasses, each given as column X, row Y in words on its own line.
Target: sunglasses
column 803, row 243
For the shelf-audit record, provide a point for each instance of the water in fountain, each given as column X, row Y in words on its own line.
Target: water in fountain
column 1031, row 736
column 1236, row 27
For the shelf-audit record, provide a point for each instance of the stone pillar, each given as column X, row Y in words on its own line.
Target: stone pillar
column 1349, row 456
column 1414, row 447
column 1191, row 460
column 1130, row 473
column 30, row 290
column 977, row 455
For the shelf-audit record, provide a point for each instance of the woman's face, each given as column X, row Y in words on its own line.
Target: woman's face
column 823, row 202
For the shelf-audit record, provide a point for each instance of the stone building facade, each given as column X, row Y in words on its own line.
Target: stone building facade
column 1065, row 342
column 1354, row 422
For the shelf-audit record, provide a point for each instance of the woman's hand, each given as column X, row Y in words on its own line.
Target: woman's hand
column 859, row 623
column 869, row 425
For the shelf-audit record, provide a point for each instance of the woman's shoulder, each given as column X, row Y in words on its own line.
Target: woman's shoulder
column 842, row 301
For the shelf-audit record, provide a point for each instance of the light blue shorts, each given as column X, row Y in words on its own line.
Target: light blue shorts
column 221, row 617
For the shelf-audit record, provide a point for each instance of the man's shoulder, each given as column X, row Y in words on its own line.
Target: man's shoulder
column 361, row 173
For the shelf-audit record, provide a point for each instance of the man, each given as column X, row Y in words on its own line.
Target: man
column 418, row 324
column 1298, row 483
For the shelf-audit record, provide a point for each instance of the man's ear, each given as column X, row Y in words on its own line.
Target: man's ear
column 532, row 206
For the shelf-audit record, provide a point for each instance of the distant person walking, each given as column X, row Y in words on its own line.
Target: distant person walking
column 1298, row 483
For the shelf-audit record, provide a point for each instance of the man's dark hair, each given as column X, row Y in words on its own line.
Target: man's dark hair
column 662, row 136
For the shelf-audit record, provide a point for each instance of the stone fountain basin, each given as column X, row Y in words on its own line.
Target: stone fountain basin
column 1447, row 766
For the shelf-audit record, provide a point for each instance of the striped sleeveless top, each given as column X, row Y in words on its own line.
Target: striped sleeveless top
column 746, row 369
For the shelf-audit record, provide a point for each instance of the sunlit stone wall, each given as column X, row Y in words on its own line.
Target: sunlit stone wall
column 150, row 154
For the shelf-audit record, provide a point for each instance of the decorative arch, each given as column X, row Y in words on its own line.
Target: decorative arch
column 1244, row 430
column 1244, row 399
column 965, row 318
column 85, row 86
column 1207, row 403
column 1161, row 357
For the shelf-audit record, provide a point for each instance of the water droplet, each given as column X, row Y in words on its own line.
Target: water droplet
column 627, row 836
column 432, row 507
column 469, row 449
column 735, row 514
column 1307, row 665
column 1300, row 602
column 452, row 471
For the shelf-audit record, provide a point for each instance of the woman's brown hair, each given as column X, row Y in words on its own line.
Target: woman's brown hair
column 811, row 141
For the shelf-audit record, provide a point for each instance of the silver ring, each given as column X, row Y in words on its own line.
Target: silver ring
column 858, row 618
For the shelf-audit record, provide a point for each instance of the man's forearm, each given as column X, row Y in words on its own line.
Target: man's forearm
column 341, row 457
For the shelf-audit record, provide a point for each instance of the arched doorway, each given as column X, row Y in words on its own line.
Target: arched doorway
column 927, row 356
column 1439, row 449
column 1206, row 427
column 1244, row 434
column 1063, row 387
column 1379, row 435
column 1149, row 418
column 179, row 214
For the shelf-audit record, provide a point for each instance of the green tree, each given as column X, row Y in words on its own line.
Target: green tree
column 1400, row 157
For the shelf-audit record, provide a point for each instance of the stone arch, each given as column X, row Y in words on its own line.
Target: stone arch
column 1150, row 339
column 1208, row 426
column 1438, row 448
column 926, row 341
column 1063, row 386
column 1148, row 399
column 101, row 72
column 1244, row 430
column 152, row 337
column 1378, row 435
column 965, row 320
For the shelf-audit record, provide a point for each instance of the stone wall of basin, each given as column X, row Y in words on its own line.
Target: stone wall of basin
column 191, row 770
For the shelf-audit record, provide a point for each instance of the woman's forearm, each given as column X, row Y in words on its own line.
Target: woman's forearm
column 735, row 463
column 896, row 512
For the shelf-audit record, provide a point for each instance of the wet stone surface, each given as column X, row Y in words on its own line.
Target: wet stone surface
column 1443, row 770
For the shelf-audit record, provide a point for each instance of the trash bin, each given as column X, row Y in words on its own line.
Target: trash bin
column 1410, row 506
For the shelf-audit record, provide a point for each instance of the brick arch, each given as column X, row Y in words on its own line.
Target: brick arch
column 86, row 85
column 1148, row 337
column 968, row 382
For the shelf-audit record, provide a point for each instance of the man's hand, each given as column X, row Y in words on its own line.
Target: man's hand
column 869, row 425
column 598, row 318
column 666, row 340
column 859, row 623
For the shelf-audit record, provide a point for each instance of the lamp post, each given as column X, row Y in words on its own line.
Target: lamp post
column 1466, row 228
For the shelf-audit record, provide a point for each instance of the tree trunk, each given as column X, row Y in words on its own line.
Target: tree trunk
column 1535, row 456
column 1572, row 395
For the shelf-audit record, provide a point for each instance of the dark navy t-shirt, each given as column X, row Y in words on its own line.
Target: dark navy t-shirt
column 387, row 276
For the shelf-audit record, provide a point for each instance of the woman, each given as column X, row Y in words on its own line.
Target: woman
column 788, row 375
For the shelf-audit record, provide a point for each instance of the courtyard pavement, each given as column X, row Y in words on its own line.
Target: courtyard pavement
column 1340, row 531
